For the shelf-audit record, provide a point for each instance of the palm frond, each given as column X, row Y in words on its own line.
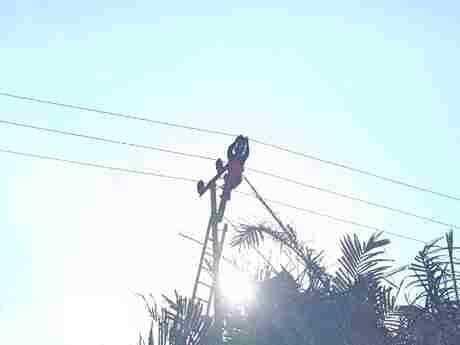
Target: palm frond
column 429, row 273
column 253, row 235
column 181, row 322
column 150, row 340
column 360, row 261
column 248, row 237
column 452, row 262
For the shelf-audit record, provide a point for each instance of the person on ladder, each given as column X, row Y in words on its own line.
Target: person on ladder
column 237, row 154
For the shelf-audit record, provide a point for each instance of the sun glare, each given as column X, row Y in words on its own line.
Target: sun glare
column 237, row 288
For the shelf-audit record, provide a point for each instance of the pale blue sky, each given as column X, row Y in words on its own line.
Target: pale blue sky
column 374, row 86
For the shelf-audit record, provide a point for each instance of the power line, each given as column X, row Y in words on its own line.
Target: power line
column 257, row 171
column 115, row 114
column 186, row 179
column 232, row 263
column 104, row 139
column 194, row 240
column 337, row 219
column 223, row 133
column 96, row 165
column 360, row 171
column 357, row 199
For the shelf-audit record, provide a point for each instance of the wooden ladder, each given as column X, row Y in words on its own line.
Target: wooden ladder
column 207, row 277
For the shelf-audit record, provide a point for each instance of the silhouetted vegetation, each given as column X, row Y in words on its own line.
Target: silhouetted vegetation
column 358, row 304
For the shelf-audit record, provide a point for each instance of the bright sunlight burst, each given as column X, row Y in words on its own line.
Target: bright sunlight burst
column 237, row 287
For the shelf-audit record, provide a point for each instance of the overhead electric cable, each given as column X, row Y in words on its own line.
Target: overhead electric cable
column 257, row 171
column 337, row 219
column 186, row 179
column 96, row 165
column 224, row 133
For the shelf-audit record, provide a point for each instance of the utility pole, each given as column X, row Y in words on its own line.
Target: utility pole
column 207, row 277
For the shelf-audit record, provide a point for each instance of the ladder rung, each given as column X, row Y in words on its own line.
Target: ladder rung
column 201, row 300
column 206, row 269
column 208, row 265
column 209, row 257
column 205, row 284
